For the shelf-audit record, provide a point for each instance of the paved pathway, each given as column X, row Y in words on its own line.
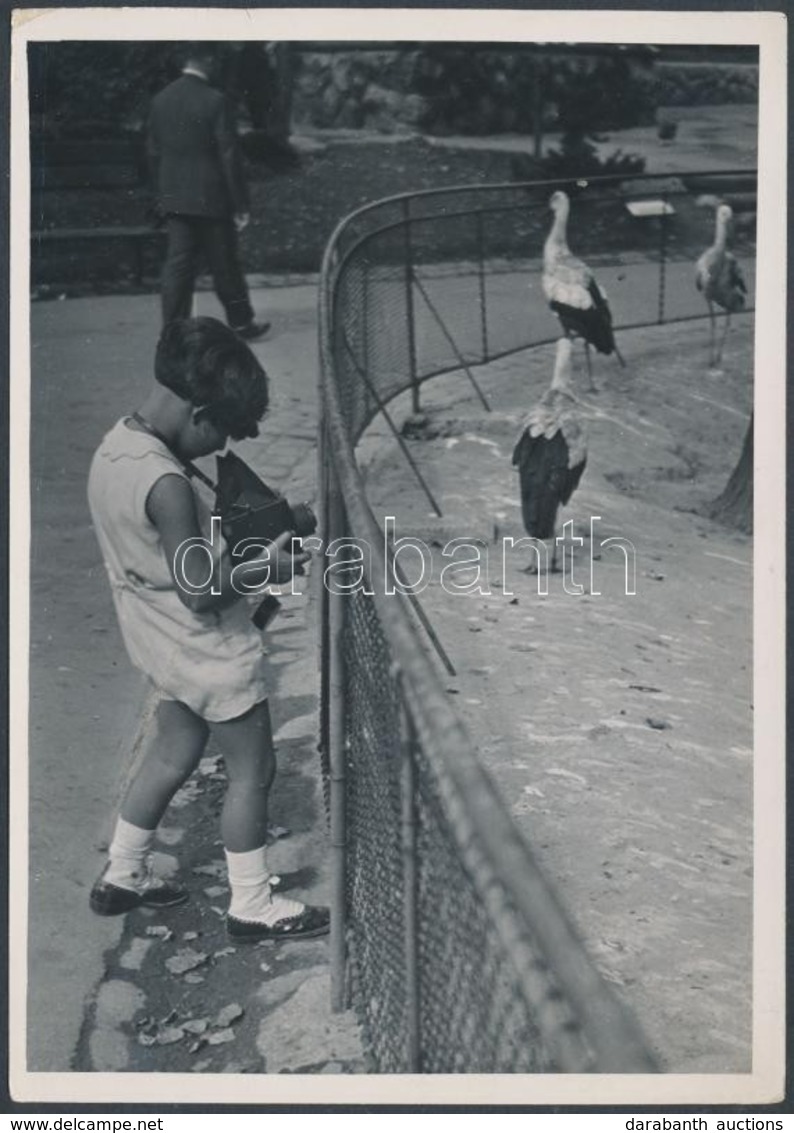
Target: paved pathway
column 91, row 362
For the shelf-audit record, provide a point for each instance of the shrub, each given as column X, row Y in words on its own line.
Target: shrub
column 578, row 157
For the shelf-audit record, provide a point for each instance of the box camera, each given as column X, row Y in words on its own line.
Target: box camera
column 250, row 510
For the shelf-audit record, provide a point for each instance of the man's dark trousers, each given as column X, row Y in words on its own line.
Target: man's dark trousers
column 215, row 239
column 198, row 178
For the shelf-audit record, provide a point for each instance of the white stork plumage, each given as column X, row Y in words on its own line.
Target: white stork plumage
column 572, row 291
column 719, row 277
column 551, row 452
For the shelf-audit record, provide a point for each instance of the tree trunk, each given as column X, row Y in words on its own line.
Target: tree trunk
column 261, row 77
column 735, row 505
column 281, row 114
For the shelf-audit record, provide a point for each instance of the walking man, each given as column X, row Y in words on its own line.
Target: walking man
column 198, row 178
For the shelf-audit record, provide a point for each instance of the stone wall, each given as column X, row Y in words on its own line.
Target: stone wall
column 706, row 84
column 438, row 89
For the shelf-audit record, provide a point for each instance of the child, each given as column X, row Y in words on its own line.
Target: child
column 200, row 649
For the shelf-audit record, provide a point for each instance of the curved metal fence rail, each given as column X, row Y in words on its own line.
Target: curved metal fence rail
column 451, row 944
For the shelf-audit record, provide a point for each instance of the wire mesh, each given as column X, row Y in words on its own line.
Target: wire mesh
column 493, row 979
column 374, row 888
column 440, row 279
column 490, row 1027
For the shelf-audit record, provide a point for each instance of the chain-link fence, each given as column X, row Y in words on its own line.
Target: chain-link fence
column 453, row 947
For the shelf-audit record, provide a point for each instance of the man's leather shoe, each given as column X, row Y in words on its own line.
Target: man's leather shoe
column 252, row 331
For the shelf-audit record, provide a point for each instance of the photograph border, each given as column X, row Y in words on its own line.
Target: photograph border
column 765, row 1084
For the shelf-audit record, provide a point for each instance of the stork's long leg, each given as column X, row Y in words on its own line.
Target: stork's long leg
column 724, row 336
column 712, row 359
column 621, row 359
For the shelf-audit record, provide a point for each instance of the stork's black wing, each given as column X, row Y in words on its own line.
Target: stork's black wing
column 543, row 471
column 572, row 481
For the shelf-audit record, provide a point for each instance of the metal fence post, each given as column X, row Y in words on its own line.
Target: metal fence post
column 483, row 298
column 323, row 456
column 336, row 745
column 413, row 1050
column 409, row 302
column 662, row 259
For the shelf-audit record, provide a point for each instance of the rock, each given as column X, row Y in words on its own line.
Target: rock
column 234, row 1066
column 133, row 958
column 195, row 1026
column 341, row 69
column 209, row 764
column 218, row 1038
column 147, row 1040
column 330, row 103
column 170, row 1035
column 160, row 930
column 228, row 1015
column 190, row 936
column 186, row 795
column 191, row 978
column 659, row 725
column 416, row 109
column 185, row 960
column 214, row 869
column 383, row 101
column 275, row 832
column 302, row 1030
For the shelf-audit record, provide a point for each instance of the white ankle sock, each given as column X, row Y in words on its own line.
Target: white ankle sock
column 128, row 850
column 252, row 899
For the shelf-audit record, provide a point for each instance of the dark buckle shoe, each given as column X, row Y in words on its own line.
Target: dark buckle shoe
column 315, row 920
column 109, row 900
column 252, row 331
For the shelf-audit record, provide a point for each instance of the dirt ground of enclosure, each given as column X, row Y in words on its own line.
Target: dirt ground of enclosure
column 617, row 726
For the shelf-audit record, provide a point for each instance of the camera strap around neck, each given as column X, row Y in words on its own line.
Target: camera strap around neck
column 188, row 465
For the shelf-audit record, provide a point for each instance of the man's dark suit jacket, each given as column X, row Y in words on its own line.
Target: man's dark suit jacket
column 193, row 152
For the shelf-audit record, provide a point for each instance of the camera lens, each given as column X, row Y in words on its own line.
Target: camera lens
column 305, row 521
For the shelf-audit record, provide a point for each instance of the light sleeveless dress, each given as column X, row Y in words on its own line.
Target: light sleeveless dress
column 213, row 662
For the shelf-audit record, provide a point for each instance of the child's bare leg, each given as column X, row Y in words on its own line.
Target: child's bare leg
column 175, row 749
column 255, row 913
column 247, row 747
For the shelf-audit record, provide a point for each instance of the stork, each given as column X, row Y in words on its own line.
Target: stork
column 572, row 291
column 551, row 452
column 719, row 277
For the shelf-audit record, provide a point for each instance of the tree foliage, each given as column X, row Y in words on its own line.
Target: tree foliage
column 98, row 90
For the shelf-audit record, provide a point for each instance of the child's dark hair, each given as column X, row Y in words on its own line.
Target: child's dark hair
column 204, row 362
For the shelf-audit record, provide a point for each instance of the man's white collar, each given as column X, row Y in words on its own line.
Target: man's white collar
column 194, row 71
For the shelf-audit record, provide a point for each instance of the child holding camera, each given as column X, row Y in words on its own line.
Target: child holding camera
column 199, row 648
